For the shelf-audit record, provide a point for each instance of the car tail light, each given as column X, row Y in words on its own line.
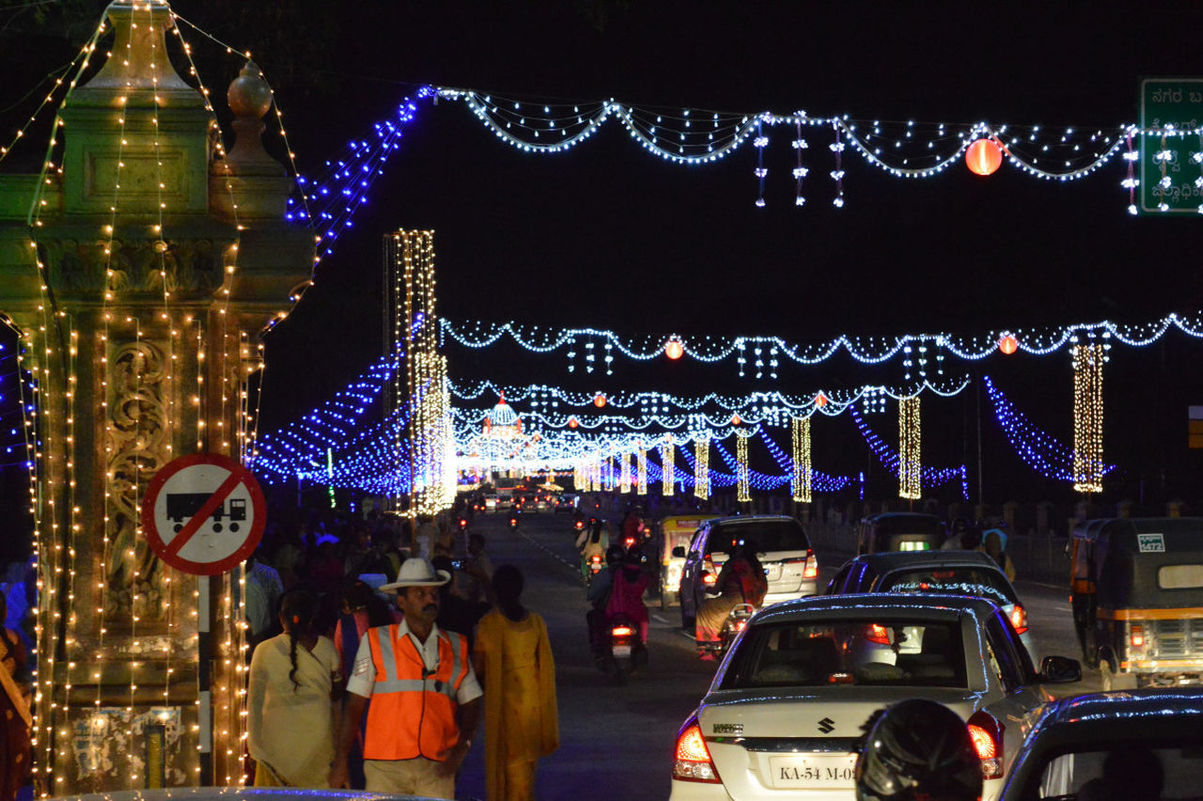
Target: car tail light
column 986, row 734
column 692, row 762
column 811, row 570
column 1019, row 618
column 1137, row 635
column 878, row 634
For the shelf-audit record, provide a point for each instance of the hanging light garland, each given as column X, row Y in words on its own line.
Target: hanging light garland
column 866, row 350
column 1088, row 467
column 910, row 437
column 802, row 479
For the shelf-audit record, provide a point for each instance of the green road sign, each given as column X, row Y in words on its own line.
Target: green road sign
column 1168, row 169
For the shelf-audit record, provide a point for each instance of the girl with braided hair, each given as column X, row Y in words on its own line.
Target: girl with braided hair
column 295, row 680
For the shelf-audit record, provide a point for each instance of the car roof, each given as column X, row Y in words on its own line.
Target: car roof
column 738, row 519
column 878, row 604
column 884, row 561
column 1103, row 718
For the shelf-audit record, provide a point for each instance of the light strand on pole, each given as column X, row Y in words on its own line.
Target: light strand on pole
column 910, row 485
column 641, row 470
column 743, row 490
column 667, row 469
column 1088, row 362
column 701, row 468
column 803, row 479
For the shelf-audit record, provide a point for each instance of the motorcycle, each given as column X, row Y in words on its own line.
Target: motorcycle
column 595, row 565
column 513, row 522
column 462, row 524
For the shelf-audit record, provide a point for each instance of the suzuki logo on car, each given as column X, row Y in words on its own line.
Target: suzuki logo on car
column 729, row 728
column 826, row 725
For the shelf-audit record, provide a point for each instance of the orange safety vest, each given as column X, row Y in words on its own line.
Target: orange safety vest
column 413, row 712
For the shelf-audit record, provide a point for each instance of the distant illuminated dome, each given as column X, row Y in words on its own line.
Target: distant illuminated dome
column 503, row 421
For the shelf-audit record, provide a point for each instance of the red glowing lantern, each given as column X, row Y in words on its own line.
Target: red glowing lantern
column 820, row 400
column 735, row 420
column 1008, row 344
column 572, row 423
column 983, row 156
column 674, row 349
column 599, row 400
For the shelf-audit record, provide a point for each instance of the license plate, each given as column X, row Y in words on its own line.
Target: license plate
column 622, row 651
column 821, row 771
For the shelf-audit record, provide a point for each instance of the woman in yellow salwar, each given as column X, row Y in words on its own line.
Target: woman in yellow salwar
column 512, row 657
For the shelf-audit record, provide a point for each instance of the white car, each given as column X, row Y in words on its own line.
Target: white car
column 790, row 701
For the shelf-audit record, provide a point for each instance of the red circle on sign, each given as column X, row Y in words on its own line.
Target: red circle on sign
column 169, row 549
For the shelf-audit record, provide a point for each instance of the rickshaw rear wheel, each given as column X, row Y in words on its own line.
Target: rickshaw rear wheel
column 1117, row 681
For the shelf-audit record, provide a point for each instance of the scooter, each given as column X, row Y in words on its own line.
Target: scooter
column 626, row 651
column 733, row 626
column 595, row 565
column 513, row 521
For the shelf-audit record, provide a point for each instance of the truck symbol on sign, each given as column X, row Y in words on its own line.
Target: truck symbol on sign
column 183, row 505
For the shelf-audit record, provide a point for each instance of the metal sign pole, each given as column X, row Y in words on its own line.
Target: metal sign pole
column 204, row 640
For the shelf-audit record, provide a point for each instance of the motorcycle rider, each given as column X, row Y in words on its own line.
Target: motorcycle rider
column 626, row 595
column 740, row 581
column 598, row 596
column 595, row 539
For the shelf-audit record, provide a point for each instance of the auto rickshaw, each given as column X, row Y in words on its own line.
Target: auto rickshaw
column 899, row 531
column 675, row 531
column 1137, row 595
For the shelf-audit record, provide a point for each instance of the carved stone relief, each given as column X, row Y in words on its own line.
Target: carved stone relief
column 137, row 437
column 139, row 267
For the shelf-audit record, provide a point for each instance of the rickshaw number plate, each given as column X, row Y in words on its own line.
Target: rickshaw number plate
column 1151, row 543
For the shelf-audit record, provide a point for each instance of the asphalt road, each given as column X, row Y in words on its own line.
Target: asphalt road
column 616, row 742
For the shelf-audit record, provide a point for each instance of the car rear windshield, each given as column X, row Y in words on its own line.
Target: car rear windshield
column 863, row 652
column 982, row 582
column 1133, row 769
column 765, row 535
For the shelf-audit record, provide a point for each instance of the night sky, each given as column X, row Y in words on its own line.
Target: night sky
column 610, row 236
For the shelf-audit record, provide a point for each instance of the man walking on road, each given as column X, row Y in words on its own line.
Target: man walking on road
column 425, row 696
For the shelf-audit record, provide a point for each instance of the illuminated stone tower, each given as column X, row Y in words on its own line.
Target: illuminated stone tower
column 139, row 270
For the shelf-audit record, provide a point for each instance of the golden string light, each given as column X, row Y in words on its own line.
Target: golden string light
column 667, row 457
column 624, row 475
column 641, row 469
column 744, row 489
column 1088, row 466
column 909, row 449
column 802, row 476
column 701, row 467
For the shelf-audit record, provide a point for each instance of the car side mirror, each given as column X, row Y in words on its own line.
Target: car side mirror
column 1060, row 670
column 679, row 552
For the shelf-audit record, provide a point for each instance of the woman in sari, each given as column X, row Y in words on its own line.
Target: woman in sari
column 15, row 750
column 295, row 679
column 512, row 657
column 740, row 581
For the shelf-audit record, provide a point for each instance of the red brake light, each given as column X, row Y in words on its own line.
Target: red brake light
column 878, row 634
column 595, row 559
column 1138, row 637
column 692, row 762
column 620, row 631
column 986, row 733
column 1019, row 619
column 811, row 570
column 709, row 578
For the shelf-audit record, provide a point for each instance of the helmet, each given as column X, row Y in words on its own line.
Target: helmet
column 918, row 749
column 614, row 554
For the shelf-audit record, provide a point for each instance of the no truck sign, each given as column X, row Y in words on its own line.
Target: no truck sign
column 204, row 514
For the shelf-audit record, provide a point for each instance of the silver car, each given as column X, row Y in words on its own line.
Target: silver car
column 790, row 701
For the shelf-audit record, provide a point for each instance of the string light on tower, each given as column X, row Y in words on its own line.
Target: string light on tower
column 1088, row 464
column 910, row 437
column 802, row 476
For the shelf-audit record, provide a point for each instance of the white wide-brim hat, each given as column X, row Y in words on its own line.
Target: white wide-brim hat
column 417, row 572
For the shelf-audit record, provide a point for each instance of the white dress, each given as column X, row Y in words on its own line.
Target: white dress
column 291, row 728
